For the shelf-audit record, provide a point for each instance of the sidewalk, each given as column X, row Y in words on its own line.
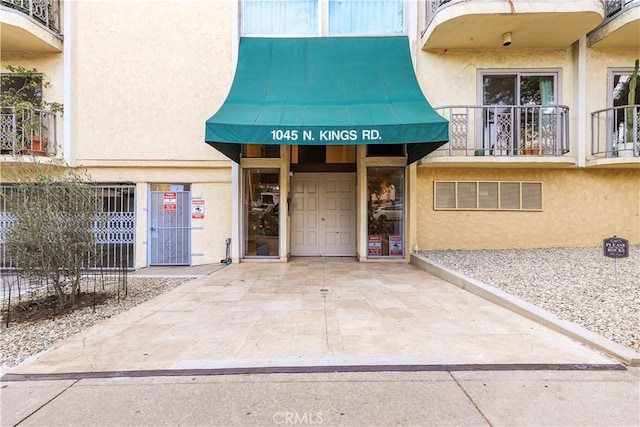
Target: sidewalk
column 529, row 398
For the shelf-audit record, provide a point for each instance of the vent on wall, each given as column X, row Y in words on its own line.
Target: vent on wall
column 488, row 195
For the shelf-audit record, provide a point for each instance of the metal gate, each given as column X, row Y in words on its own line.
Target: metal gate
column 115, row 238
column 170, row 227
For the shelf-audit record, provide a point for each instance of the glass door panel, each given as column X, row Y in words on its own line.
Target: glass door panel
column 261, row 212
column 385, row 212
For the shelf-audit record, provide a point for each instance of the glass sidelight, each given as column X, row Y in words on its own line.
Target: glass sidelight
column 385, row 212
column 261, row 210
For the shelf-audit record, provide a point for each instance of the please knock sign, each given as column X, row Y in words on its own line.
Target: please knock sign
column 616, row 247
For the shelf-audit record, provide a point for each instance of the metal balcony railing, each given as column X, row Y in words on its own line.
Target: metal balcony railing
column 613, row 7
column 615, row 132
column 28, row 132
column 44, row 12
column 506, row 130
column 432, row 6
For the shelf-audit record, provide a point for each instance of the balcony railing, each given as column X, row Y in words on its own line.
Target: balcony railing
column 27, row 132
column 44, row 12
column 506, row 130
column 612, row 7
column 432, row 7
column 615, row 132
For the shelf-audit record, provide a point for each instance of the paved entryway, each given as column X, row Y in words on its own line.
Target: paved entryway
column 312, row 312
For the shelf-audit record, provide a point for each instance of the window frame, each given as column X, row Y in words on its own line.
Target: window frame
column 611, row 74
column 519, row 73
column 323, row 24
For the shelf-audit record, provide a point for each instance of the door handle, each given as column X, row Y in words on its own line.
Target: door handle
column 153, row 228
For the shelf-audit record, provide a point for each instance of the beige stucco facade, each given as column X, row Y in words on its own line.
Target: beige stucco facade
column 139, row 80
column 581, row 206
column 140, row 98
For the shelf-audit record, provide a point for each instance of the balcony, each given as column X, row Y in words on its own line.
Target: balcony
column 615, row 136
column 480, row 24
column 30, row 26
column 621, row 28
column 505, row 134
column 27, row 132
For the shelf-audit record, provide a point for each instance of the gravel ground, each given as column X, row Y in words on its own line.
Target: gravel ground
column 575, row 284
column 22, row 340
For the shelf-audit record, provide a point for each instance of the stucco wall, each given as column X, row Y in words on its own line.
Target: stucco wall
column 580, row 208
column 146, row 76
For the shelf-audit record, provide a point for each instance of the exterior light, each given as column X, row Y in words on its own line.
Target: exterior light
column 506, row 39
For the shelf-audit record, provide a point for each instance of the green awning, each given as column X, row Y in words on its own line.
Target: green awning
column 326, row 91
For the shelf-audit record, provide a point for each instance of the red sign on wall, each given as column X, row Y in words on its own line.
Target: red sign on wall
column 197, row 208
column 170, row 201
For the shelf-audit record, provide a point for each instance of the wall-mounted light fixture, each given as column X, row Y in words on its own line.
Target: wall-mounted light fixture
column 506, row 39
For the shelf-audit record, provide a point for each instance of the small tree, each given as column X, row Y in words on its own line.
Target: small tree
column 54, row 212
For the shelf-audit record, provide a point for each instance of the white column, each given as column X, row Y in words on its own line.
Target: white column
column 67, row 71
column 582, row 138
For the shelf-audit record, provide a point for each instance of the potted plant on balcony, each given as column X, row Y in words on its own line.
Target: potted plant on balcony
column 21, row 98
column 629, row 128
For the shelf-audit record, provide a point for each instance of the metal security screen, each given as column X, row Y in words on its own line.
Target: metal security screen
column 170, row 230
column 115, row 232
column 115, row 243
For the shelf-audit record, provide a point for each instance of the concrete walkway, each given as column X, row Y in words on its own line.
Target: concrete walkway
column 372, row 344
column 312, row 312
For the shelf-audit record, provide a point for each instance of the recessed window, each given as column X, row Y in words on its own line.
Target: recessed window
column 488, row 195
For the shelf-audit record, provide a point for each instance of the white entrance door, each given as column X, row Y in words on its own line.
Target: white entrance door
column 323, row 217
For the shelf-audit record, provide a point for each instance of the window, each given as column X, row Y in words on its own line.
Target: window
column 303, row 17
column 261, row 212
column 488, row 195
column 21, row 88
column 622, row 120
column 515, row 120
column 385, row 208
